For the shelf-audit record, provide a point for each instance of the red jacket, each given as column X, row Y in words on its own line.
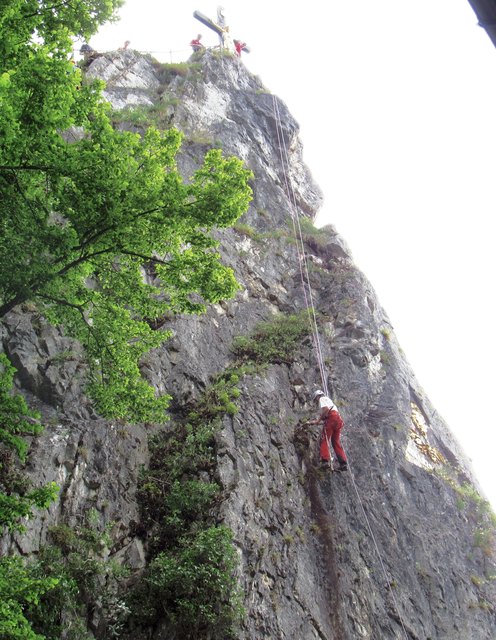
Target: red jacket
column 239, row 46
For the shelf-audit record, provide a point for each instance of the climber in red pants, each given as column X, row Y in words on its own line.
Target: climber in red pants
column 331, row 431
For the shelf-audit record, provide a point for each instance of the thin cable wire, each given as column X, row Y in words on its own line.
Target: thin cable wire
column 305, row 278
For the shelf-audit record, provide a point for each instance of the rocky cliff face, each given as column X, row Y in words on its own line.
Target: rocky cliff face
column 395, row 548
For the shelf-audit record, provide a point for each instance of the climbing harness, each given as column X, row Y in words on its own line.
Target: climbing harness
column 307, row 292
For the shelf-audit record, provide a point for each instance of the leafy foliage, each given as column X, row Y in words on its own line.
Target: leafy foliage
column 274, row 341
column 84, row 582
column 53, row 596
column 191, row 578
column 171, row 496
column 101, row 232
column 19, row 590
column 194, row 584
column 217, row 400
column 17, row 498
column 16, row 420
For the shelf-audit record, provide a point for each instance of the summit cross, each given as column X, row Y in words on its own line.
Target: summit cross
column 222, row 30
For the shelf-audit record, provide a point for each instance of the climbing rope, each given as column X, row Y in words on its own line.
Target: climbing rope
column 376, row 546
column 302, row 259
column 308, row 295
column 300, row 248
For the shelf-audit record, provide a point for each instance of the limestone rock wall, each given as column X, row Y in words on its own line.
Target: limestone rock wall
column 384, row 551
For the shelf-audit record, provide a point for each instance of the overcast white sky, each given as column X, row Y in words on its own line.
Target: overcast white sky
column 397, row 106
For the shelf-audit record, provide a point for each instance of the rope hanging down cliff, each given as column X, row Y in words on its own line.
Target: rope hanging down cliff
column 308, row 295
column 300, row 248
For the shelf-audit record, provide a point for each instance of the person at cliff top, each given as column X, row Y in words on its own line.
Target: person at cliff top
column 331, row 431
column 88, row 53
column 86, row 49
column 195, row 44
column 239, row 46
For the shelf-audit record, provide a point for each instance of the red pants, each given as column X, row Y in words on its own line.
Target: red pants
column 331, row 432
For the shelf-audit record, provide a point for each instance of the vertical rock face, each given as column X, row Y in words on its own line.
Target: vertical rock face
column 386, row 550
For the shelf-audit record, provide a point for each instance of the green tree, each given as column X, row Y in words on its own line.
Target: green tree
column 97, row 227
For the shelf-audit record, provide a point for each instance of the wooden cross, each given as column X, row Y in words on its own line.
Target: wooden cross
column 222, row 30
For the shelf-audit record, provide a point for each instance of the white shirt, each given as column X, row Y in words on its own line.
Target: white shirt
column 325, row 401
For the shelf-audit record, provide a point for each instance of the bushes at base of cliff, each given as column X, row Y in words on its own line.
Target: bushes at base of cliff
column 193, row 587
column 189, row 584
column 19, row 590
column 68, row 585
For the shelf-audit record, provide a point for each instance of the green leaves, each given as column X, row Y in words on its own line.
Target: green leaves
column 274, row 341
column 16, row 420
column 97, row 227
column 191, row 579
column 14, row 507
column 17, row 500
column 195, row 584
column 52, row 20
column 19, row 590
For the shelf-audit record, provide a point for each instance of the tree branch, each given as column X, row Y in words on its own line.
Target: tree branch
column 26, row 167
column 29, row 203
column 64, row 303
column 143, row 257
column 113, row 227
column 83, row 258
column 8, row 306
column 47, row 7
column 80, row 309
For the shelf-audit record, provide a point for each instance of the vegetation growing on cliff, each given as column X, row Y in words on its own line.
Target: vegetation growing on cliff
column 18, row 591
column 191, row 576
column 161, row 112
column 274, row 341
column 190, row 580
column 477, row 509
column 17, row 497
column 55, row 595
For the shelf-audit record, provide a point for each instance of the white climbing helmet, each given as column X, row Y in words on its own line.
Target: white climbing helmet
column 317, row 394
